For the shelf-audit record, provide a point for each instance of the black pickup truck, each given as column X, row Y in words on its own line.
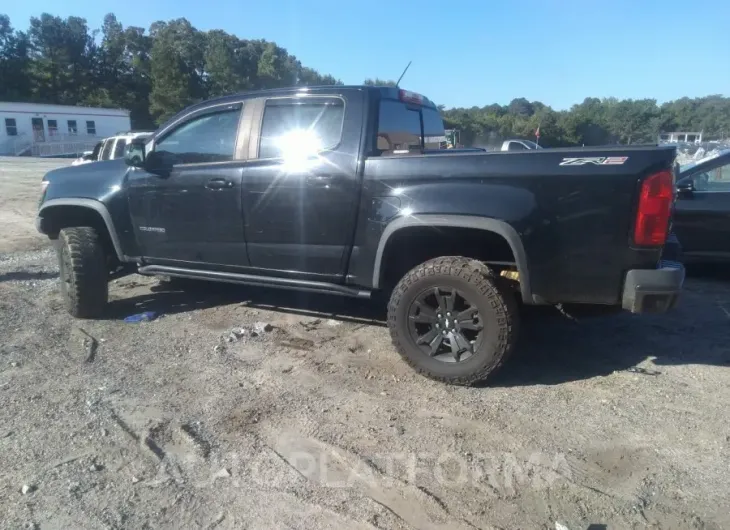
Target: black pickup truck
column 344, row 190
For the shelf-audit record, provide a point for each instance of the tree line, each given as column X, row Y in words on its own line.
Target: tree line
column 592, row 122
column 155, row 73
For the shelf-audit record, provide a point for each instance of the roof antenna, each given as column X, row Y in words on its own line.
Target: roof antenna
column 404, row 73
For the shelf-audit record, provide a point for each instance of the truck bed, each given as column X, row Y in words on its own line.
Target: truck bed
column 573, row 208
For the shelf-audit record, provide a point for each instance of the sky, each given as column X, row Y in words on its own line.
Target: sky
column 468, row 53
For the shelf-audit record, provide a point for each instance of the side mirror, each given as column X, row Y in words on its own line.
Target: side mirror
column 134, row 153
column 159, row 162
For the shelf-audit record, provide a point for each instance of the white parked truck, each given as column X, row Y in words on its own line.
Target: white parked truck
column 110, row 148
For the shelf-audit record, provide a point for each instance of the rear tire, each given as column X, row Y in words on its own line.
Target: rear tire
column 83, row 272
column 472, row 342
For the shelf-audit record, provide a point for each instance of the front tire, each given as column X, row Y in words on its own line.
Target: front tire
column 83, row 272
column 452, row 321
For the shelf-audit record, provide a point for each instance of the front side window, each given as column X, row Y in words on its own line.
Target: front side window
column 713, row 180
column 119, row 147
column 72, row 127
column 208, row 138
column 399, row 127
column 106, row 152
column 91, row 128
column 303, row 126
column 11, row 128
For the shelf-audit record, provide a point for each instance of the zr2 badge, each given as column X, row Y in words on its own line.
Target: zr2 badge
column 595, row 160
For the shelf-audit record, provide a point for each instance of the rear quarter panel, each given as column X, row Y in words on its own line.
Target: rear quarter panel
column 574, row 220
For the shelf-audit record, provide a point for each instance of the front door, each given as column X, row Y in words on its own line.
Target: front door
column 39, row 134
column 192, row 215
column 301, row 185
column 702, row 216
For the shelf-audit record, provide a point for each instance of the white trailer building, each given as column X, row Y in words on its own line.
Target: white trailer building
column 56, row 130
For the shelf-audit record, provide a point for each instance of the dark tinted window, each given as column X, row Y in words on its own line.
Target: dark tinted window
column 433, row 129
column 399, row 127
column 90, row 128
column 95, row 152
column 209, row 138
column 106, row 153
column 119, row 147
column 516, row 146
column 10, row 127
column 318, row 119
column 714, row 180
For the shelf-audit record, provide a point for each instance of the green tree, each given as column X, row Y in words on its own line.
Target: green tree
column 378, row 82
column 121, row 76
column 62, row 54
column 177, row 65
column 14, row 63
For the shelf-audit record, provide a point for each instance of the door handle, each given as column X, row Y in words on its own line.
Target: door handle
column 218, row 184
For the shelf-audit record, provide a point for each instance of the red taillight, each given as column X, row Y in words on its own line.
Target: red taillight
column 655, row 209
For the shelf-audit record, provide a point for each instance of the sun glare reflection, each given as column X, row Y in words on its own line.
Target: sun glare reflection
column 298, row 146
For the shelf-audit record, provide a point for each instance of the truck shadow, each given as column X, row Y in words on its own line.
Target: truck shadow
column 554, row 349
column 169, row 299
column 709, row 271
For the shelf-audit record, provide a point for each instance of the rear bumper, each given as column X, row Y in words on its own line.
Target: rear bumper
column 653, row 290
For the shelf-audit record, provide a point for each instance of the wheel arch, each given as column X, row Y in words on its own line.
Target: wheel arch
column 56, row 214
column 486, row 224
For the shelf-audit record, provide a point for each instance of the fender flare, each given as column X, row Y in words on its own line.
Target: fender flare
column 89, row 204
column 460, row 221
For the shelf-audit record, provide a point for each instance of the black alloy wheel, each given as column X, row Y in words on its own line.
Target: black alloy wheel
column 445, row 324
column 452, row 320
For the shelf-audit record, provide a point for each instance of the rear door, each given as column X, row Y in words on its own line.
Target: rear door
column 193, row 216
column 301, row 183
column 702, row 216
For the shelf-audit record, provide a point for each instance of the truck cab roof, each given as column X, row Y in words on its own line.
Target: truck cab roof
column 383, row 91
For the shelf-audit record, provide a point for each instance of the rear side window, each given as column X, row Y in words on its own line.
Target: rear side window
column 290, row 123
column 399, row 127
column 434, row 136
column 106, row 152
column 119, row 148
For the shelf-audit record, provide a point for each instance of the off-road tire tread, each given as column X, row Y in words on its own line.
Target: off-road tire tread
column 88, row 293
column 483, row 279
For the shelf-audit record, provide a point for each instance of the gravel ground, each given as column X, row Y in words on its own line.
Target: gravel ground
column 251, row 408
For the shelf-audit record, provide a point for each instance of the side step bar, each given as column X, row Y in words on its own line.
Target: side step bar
column 258, row 281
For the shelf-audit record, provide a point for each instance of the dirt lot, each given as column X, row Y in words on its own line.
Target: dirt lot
column 316, row 423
